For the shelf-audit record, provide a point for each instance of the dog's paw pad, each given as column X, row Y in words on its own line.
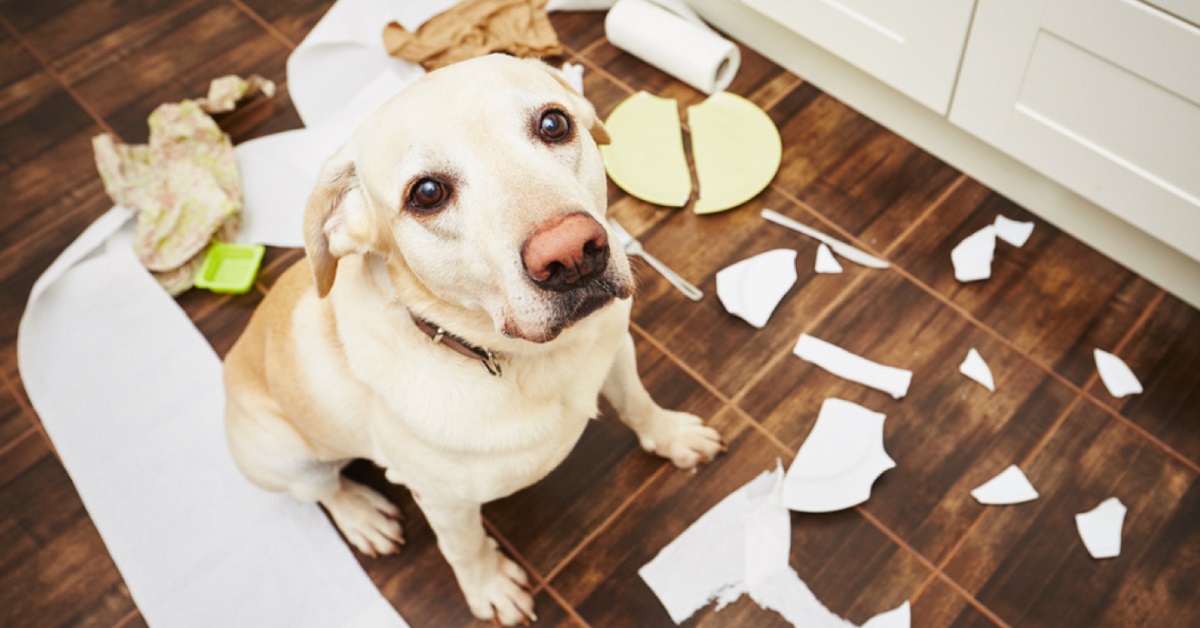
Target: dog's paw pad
column 504, row 597
column 684, row 440
column 367, row 519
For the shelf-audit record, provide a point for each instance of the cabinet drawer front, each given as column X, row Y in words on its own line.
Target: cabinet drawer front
column 1101, row 96
column 914, row 46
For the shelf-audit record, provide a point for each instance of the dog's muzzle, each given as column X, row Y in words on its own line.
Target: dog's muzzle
column 566, row 253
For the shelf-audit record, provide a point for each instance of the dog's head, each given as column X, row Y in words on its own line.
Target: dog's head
column 481, row 186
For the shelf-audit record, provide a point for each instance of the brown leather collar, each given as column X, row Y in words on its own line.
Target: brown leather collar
column 446, row 339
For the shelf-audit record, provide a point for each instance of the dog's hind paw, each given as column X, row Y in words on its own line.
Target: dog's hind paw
column 504, row 596
column 367, row 519
column 682, row 438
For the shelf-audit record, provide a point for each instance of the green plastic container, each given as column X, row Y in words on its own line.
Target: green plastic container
column 230, row 268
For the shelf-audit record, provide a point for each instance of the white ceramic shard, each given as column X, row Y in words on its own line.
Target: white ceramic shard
column 826, row 262
column 972, row 258
column 1011, row 231
column 1100, row 528
column 572, row 73
column 1010, row 487
column 899, row 617
column 975, row 368
column 1117, row 378
column 839, row 461
column 753, row 287
column 836, row 360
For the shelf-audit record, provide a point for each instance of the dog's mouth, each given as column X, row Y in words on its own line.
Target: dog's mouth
column 570, row 307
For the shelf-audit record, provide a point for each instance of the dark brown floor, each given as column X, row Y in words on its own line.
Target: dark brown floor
column 72, row 69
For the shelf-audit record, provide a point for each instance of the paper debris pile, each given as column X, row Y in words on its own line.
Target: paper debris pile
column 183, row 184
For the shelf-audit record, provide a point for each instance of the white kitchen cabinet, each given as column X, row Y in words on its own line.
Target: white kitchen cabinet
column 914, row 45
column 1102, row 96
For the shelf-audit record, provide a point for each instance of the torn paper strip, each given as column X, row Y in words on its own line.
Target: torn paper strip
column 1117, row 378
column 753, row 287
column 836, row 360
column 1011, row 231
column 975, row 368
column 1100, row 528
column 826, row 262
column 972, row 258
column 1010, row 487
column 839, row 461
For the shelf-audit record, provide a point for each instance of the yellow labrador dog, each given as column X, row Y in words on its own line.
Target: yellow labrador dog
column 460, row 311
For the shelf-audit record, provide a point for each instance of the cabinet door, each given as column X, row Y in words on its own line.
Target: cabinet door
column 913, row 45
column 1101, row 95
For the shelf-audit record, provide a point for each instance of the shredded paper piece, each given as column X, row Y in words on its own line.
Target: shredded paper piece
column 972, row 257
column 1011, row 231
column 839, row 461
column 975, row 368
column 1010, row 487
column 752, row 288
column 1100, row 528
column 826, row 262
column 1117, row 378
column 836, row 360
column 741, row 546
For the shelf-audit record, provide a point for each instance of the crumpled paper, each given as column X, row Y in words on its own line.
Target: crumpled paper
column 183, row 184
column 474, row 28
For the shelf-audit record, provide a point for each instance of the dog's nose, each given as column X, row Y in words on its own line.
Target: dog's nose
column 563, row 253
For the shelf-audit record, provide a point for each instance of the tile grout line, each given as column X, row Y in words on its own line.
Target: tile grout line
column 933, row 206
column 19, row 440
column 58, row 77
column 929, row 580
column 683, row 366
column 612, row 517
column 562, row 601
column 1141, row 431
column 264, row 24
column 124, row 621
column 973, row 601
column 516, row 555
column 784, row 94
column 590, row 48
column 605, row 74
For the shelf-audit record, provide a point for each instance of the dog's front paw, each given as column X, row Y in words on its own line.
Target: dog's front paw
column 682, row 438
column 367, row 519
column 501, row 594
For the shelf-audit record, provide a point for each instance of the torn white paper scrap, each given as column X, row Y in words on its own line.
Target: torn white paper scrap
column 1009, row 487
column 826, row 262
column 972, row 258
column 1100, row 528
column 1011, row 231
column 708, row 560
column 1117, row 378
column 752, row 288
column 785, row 593
column 899, row 617
column 836, row 360
column 975, row 368
column 572, row 73
column 839, row 461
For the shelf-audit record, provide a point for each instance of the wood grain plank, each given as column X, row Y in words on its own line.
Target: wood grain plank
column 56, row 571
column 947, row 435
column 1028, row 564
column 940, row 605
column 293, row 19
column 578, row 29
column 851, row 567
column 866, row 179
column 722, row 348
column 549, row 519
column 1165, row 355
column 14, row 421
column 1054, row 298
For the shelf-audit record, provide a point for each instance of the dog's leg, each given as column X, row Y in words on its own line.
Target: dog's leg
column 680, row 437
column 496, row 588
column 274, row 456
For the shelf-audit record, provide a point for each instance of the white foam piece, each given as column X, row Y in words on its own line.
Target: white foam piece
column 1009, row 487
column 1116, row 375
column 1100, row 528
column 826, row 262
column 839, row 461
column 972, row 258
column 975, row 368
column 894, row 381
column 1012, row 231
column 752, row 288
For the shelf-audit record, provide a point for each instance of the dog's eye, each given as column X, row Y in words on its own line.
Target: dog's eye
column 428, row 195
column 554, row 126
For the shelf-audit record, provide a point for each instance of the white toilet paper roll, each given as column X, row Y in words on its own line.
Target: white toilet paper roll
column 672, row 38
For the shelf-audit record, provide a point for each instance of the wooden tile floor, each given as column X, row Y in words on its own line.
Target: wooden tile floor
column 75, row 68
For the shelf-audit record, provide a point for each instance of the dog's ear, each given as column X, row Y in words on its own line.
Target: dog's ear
column 336, row 220
column 584, row 108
